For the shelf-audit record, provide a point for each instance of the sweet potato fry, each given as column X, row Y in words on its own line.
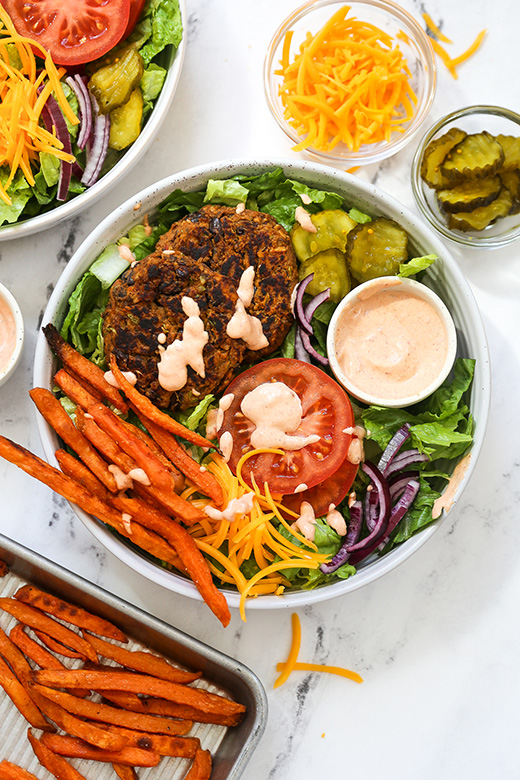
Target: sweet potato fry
column 76, row 493
column 56, row 765
column 141, row 661
column 137, row 683
column 201, row 766
column 57, row 647
column 21, row 698
column 76, row 748
column 83, row 368
column 77, row 470
column 169, row 709
column 75, row 390
column 152, row 444
column 70, row 613
column 204, row 480
column 9, row 771
column 39, row 654
column 180, row 747
column 54, row 413
column 132, row 445
column 76, row 727
column 124, row 772
column 32, row 617
column 14, row 657
column 151, row 412
column 104, row 713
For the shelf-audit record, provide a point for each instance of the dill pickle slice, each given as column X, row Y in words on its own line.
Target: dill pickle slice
column 125, row 122
column 511, row 146
column 475, row 157
column 482, row 217
column 470, row 195
column 511, row 181
column 330, row 270
column 332, row 227
column 113, row 84
column 435, row 154
column 376, row 248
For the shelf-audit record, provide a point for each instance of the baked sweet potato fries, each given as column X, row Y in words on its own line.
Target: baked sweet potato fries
column 126, row 478
column 130, row 714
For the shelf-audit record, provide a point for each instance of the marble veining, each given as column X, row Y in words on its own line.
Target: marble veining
column 437, row 640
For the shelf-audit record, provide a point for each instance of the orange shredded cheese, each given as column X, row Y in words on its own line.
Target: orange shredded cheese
column 293, row 665
column 22, row 138
column 349, row 84
column 434, row 29
column 450, row 62
column 251, row 535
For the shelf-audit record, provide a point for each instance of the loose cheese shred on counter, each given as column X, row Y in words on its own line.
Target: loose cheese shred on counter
column 22, row 138
column 435, row 30
column 451, row 62
column 254, row 534
column 349, row 83
column 293, row 665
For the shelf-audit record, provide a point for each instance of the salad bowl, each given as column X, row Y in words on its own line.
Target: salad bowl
column 444, row 277
column 171, row 59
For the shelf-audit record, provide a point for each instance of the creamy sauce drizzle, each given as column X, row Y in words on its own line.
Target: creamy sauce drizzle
column 304, row 218
column 243, row 325
column 336, row 521
column 237, row 506
column 277, row 412
column 390, row 343
column 125, row 253
column 223, row 405
column 123, row 481
column 226, row 445
column 139, row 475
column 127, row 522
column 306, row 522
column 445, row 501
column 128, row 375
column 300, row 488
column 7, row 334
column 184, row 352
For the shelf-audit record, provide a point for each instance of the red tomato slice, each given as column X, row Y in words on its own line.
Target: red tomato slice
column 136, row 7
column 321, row 496
column 72, row 32
column 326, row 411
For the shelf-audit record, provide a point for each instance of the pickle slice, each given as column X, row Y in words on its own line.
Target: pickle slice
column 113, row 84
column 435, row 154
column 475, row 157
column 482, row 217
column 332, row 227
column 376, row 248
column 511, row 181
column 470, row 195
column 125, row 122
column 330, row 270
column 511, row 146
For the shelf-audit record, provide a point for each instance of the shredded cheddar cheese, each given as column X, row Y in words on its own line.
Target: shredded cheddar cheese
column 450, row 62
column 24, row 90
column 349, row 83
column 254, row 535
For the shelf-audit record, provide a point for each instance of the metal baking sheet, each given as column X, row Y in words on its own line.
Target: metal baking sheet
column 231, row 748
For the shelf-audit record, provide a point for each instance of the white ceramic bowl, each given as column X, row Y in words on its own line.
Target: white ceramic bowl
column 173, row 61
column 9, row 300
column 362, row 292
column 444, row 277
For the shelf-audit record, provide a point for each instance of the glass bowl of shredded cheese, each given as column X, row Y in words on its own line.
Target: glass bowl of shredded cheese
column 350, row 84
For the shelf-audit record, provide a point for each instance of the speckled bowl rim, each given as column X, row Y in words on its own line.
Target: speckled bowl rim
column 79, row 204
column 12, row 365
column 462, row 305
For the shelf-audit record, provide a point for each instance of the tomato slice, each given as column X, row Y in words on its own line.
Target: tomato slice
column 72, row 32
column 136, row 7
column 332, row 491
column 326, row 412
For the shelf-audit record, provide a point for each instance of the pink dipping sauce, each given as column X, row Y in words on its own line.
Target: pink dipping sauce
column 7, row 334
column 391, row 343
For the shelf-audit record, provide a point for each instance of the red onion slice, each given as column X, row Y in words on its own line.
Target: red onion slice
column 52, row 117
column 299, row 312
column 77, row 85
column 311, row 351
column 405, row 459
column 315, row 303
column 381, row 486
column 300, row 352
column 97, row 150
column 398, row 483
column 393, row 447
column 354, row 529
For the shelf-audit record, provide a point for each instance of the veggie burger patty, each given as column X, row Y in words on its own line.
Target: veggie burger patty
column 203, row 257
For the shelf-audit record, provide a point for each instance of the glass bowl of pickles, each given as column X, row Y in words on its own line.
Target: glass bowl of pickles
column 466, row 176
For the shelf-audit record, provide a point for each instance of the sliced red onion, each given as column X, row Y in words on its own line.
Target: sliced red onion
column 393, row 447
column 79, row 88
column 299, row 312
column 311, row 307
column 404, row 460
column 380, row 485
column 77, row 170
column 300, row 352
column 397, row 484
column 96, row 152
column 354, row 529
column 371, row 504
column 311, row 351
column 52, row 117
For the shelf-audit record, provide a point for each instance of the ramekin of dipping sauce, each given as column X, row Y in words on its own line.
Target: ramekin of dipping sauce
column 11, row 334
column 391, row 342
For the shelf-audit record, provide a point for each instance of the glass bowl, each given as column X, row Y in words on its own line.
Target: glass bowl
column 413, row 43
column 472, row 119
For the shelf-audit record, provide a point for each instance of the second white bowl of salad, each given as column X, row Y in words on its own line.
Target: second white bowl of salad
column 85, row 106
column 239, row 470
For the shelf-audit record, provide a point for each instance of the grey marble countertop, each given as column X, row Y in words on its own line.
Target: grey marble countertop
column 437, row 640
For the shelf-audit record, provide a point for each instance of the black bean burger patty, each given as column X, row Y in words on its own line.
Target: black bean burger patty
column 202, row 256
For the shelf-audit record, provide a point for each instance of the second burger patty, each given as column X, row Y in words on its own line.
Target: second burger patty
column 203, row 257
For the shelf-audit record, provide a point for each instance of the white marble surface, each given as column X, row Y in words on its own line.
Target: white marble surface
column 437, row 640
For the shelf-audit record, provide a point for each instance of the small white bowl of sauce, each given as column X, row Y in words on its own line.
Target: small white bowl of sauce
column 391, row 342
column 11, row 334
